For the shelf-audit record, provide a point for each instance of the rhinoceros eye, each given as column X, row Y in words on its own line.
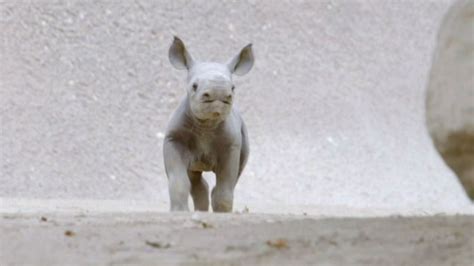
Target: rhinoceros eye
column 233, row 88
column 195, row 86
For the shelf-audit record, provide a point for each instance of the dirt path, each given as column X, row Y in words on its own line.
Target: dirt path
column 233, row 239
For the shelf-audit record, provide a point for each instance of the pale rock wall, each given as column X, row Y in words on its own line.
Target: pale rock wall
column 334, row 105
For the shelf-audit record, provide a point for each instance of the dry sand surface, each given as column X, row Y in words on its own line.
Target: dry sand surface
column 150, row 238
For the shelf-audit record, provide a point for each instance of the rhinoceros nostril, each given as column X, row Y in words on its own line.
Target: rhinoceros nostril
column 206, row 97
column 228, row 99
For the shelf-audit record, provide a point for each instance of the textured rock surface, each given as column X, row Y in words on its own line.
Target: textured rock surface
column 450, row 95
column 334, row 105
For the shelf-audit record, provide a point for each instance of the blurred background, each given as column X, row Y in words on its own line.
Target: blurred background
column 335, row 105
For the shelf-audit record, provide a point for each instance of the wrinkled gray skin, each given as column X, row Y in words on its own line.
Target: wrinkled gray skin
column 206, row 133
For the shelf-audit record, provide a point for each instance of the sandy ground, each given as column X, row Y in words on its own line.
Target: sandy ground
column 150, row 238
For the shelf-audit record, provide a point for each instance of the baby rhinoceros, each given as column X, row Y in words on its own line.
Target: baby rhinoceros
column 206, row 133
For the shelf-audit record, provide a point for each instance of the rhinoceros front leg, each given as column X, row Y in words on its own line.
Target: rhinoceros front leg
column 226, row 179
column 179, row 184
column 199, row 191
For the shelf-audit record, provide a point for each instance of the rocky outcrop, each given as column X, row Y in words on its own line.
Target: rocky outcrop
column 450, row 96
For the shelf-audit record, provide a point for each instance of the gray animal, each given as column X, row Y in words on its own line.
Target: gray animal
column 206, row 133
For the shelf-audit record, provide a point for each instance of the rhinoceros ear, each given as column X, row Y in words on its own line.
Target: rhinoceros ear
column 243, row 62
column 179, row 56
